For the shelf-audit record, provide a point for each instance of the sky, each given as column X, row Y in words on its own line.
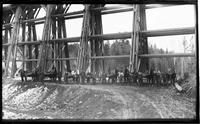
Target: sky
column 157, row 18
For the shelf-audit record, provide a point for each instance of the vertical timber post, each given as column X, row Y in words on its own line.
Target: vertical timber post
column 96, row 44
column 23, row 40
column 134, row 39
column 54, row 37
column 6, row 41
column 7, row 29
column 59, row 8
column 14, row 39
column 83, row 50
column 36, row 46
column 44, row 47
column 30, row 13
column 143, row 44
column 66, row 45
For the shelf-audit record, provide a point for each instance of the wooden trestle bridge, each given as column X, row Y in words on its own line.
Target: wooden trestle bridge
column 35, row 53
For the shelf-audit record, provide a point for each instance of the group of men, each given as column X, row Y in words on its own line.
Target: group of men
column 35, row 75
column 116, row 76
column 149, row 77
column 82, row 77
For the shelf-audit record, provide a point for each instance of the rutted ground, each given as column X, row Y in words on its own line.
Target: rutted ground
column 61, row 101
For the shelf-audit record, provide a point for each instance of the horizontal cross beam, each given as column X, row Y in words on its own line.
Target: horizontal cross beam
column 79, row 14
column 151, row 33
column 122, row 56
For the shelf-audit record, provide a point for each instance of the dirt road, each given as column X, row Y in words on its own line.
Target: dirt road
column 60, row 101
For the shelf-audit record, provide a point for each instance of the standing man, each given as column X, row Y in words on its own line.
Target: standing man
column 173, row 76
column 126, row 74
column 22, row 75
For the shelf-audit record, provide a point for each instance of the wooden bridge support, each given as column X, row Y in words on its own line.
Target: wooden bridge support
column 92, row 25
column 23, row 40
column 54, row 52
column 6, row 41
column 6, row 36
column 91, row 41
column 60, row 50
column 30, row 37
column 44, row 46
column 96, row 44
column 61, row 23
column 83, row 53
column 66, row 53
column 134, row 39
column 13, row 47
column 143, row 64
column 139, row 40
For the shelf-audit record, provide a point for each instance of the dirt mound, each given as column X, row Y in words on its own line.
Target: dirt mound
column 61, row 102
column 33, row 100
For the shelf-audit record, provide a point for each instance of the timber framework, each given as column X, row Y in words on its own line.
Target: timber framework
column 53, row 48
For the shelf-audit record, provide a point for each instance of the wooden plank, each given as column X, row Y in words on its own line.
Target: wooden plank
column 111, row 57
column 167, row 55
column 152, row 6
column 167, row 32
column 69, row 14
column 64, row 59
column 123, row 56
column 111, row 36
column 129, row 7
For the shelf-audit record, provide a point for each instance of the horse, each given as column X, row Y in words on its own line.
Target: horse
column 126, row 76
column 120, row 77
column 103, row 78
column 113, row 77
column 90, row 76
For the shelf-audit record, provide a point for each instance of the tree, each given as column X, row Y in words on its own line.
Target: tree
column 120, row 47
column 107, row 53
column 73, row 52
column 106, row 49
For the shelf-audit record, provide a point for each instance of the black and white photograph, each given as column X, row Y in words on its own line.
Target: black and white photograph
column 99, row 62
